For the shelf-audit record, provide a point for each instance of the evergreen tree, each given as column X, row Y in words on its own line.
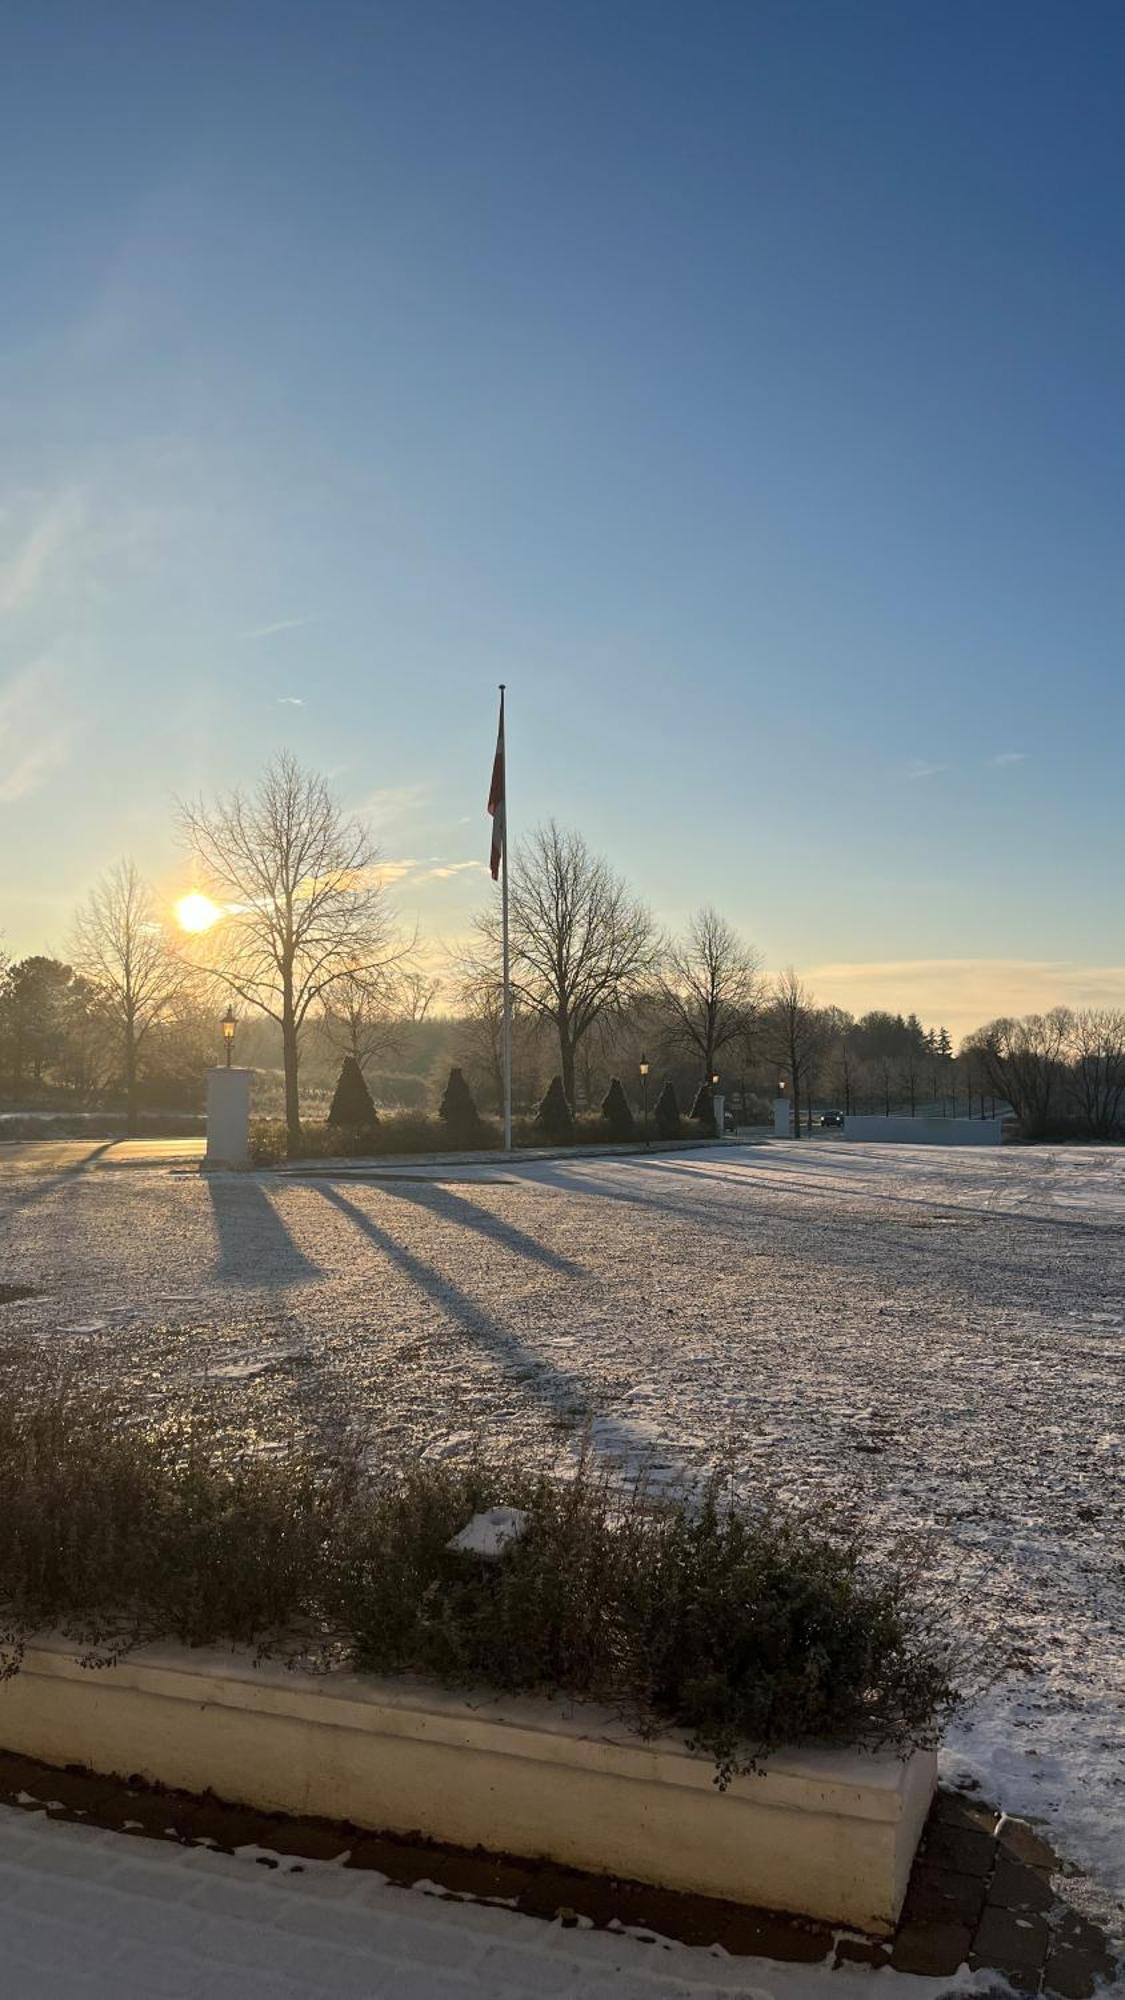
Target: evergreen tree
column 352, row 1108
column 554, row 1118
column 666, row 1116
column 616, row 1112
column 703, row 1109
column 459, row 1113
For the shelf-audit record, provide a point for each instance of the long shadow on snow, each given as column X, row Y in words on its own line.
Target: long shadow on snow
column 985, row 1270
column 441, row 1201
column 555, row 1387
column 255, row 1246
column 781, row 1182
column 50, row 1183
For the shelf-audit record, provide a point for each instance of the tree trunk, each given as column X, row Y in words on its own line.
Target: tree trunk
column 292, row 1098
column 566, row 1055
column 130, row 1080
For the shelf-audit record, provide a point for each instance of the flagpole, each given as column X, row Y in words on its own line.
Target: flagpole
column 507, row 961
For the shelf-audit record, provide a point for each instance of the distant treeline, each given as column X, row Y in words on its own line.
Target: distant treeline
column 301, row 945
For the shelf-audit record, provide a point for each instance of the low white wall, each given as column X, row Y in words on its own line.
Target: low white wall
column 823, row 1833
column 926, row 1131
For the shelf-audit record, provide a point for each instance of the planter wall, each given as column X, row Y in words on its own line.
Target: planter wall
column 822, row 1833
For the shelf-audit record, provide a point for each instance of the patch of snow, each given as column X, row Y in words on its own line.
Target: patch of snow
column 127, row 1918
column 770, row 1307
column 488, row 1534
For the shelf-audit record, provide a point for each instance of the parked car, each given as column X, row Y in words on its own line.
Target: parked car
column 832, row 1118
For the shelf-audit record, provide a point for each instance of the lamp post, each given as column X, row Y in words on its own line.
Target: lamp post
column 229, row 1025
column 715, row 1118
column 643, row 1065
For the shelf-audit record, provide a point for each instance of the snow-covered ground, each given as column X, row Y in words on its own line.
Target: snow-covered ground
column 97, row 1916
column 939, row 1332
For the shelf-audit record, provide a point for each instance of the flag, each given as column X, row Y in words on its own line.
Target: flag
column 497, row 798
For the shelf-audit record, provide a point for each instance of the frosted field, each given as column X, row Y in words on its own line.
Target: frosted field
column 941, row 1333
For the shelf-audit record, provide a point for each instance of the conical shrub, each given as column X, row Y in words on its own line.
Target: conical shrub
column 616, row 1112
column 352, row 1107
column 554, row 1118
column 666, row 1116
column 459, row 1113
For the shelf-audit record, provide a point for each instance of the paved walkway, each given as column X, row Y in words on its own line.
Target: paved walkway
column 92, row 1915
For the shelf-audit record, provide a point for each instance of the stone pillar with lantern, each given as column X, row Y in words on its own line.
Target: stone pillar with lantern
column 228, row 1107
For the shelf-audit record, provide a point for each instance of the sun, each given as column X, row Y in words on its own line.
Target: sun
column 197, row 912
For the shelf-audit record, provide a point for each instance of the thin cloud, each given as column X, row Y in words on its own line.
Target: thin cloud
column 279, row 625
column 392, row 803
column 448, row 868
column 417, row 872
column 33, row 742
column 389, row 872
column 918, row 768
column 1005, row 757
column 26, row 571
column 290, row 701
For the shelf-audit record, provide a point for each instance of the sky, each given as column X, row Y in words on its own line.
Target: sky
column 740, row 382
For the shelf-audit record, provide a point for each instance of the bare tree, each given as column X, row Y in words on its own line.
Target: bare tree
column 1095, row 1047
column 710, row 989
column 581, row 944
column 794, row 1033
column 1024, row 1062
column 123, row 948
column 479, row 1037
column 417, row 991
column 369, row 1010
column 304, row 908
column 839, row 1028
column 361, row 1018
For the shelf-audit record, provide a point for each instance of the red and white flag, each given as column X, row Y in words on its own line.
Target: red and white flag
column 497, row 799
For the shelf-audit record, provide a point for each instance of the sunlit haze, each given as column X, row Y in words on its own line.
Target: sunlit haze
column 740, row 384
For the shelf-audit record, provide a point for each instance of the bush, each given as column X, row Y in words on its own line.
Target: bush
column 746, row 1630
column 352, row 1109
column 590, row 1129
column 666, row 1116
column 616, row 1112
column 319, row 1141
column 459, row 1113
column 554, row 1120
column 267, row 1143
column 703, row 1110
column 116, row 1535
column 396, row 1132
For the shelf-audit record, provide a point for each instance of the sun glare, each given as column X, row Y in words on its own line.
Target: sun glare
column 197, row 912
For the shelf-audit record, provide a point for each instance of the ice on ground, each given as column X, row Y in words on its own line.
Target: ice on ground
column 939, row 1335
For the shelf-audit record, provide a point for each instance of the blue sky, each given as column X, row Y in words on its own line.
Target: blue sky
column 740, row 382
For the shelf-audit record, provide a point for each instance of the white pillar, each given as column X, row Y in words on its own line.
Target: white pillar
column 228, row 1118
column 720, row 1107
column 783, row 1117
